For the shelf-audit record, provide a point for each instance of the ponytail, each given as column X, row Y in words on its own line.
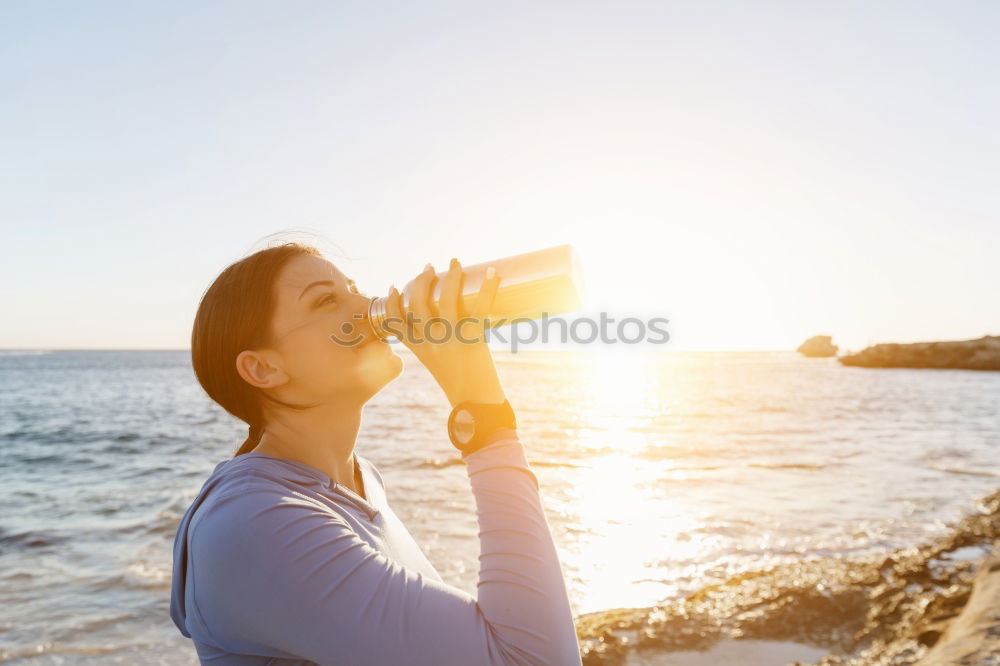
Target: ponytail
column 253, row 439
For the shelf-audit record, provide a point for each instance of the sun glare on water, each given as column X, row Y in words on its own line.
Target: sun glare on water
column 624, row 525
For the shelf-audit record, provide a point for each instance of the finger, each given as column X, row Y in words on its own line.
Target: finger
column 451, row 288
column 394, row 314
column 487, row 294
column 392, row 303
column 416, row 298
column 432, row 289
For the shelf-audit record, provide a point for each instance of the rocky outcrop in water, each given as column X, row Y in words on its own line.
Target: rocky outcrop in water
column 819, row 346
column 981, row 354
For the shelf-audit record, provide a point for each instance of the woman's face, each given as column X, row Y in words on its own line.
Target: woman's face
column 320, row 337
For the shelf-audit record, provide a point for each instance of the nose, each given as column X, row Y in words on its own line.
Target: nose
column 360, row 306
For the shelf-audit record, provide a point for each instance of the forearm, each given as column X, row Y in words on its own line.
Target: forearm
column 522, row 591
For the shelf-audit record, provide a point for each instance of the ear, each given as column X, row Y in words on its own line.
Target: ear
column 258, row 370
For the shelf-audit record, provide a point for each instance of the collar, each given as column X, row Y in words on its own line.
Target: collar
column 307, row 475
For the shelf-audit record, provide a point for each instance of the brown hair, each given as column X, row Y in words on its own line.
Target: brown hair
column 234, row 315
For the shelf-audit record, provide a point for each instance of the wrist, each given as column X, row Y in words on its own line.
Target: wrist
column 493, row 438
column 485, row 395
column 472, row 426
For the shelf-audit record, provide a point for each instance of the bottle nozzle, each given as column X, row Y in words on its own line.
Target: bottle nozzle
column 376, row 316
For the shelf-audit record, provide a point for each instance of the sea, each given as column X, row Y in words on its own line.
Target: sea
column 661, row 472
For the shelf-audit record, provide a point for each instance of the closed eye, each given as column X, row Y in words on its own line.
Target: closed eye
column 328, row 298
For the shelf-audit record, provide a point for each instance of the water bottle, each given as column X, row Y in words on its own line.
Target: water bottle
column 545, row 281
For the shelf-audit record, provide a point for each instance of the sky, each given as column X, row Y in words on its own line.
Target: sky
column 755, row 172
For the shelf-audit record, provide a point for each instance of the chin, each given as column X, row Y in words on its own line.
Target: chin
column 395, row 361
column 379, row 369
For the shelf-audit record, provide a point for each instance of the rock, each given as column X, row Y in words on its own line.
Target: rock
column 820, row 346
column 974, row 637
column 980, row 354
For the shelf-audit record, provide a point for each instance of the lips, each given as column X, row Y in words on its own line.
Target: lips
column 370, row 340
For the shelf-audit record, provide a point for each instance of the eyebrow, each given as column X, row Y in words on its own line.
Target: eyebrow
column 315, row 284
column 350, row 283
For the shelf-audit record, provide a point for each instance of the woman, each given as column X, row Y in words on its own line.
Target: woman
column 290, row 553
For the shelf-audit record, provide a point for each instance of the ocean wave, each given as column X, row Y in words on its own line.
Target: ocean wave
column 440, row 463
column 32, row 539
column 811, row 467
column 69, row 435
column 437, row 463
column 142, row 575
column 968, row 472
column 36, row 458
column 772, row 409
column 38, row 652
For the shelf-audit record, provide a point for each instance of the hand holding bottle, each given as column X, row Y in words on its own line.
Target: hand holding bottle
column 448, row 340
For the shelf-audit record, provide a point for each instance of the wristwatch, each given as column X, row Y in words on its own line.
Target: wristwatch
column 471, row 423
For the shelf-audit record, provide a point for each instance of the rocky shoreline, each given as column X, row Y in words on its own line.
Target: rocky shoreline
column 980, row 354
column 864, row 611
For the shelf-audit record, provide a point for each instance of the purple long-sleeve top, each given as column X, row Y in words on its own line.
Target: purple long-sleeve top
column 275, row 563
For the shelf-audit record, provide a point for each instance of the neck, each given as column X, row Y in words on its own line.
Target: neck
column 322, row 437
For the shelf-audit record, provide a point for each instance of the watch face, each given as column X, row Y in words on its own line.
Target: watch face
column 463, row 426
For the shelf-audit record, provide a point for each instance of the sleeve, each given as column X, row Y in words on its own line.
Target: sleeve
column 281, row 574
